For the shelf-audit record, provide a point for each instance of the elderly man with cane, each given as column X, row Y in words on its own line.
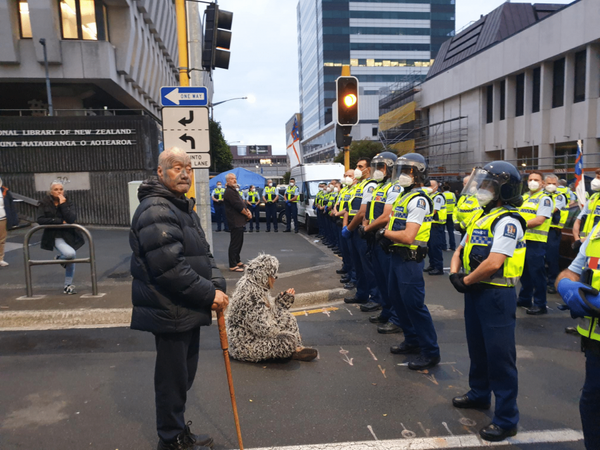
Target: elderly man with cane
column 176, row 283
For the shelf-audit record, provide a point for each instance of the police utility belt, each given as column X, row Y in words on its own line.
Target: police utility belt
column 591, row 345
column 408, row 254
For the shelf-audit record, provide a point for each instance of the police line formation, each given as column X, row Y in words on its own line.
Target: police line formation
column 385, row 217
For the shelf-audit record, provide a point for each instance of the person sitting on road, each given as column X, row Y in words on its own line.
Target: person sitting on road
column 57, row 209
column 259, row 328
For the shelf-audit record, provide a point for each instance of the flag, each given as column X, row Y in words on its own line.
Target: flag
column 293, row 145
column 579, row 180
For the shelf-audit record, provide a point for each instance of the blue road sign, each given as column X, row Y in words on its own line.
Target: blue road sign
column 183, row 96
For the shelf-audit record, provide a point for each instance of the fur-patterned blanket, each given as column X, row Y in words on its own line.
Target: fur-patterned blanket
column 259, row 327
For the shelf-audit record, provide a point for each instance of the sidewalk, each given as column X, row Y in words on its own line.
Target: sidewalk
column 305, row 265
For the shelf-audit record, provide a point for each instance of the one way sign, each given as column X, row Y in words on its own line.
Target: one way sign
column 186, row 128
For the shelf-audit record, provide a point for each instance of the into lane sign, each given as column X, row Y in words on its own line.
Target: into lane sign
column 184, row 96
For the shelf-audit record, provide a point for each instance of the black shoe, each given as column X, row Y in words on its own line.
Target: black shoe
column 349, row 286
column 267, row 231
column 276, row 231
column 389, row 328
column 217, row 230
column 436, row 272
column 295, row 231
column 551, row 290
column 537, row 311
column 345, row 280
column 337, row 252
column 226, row 231
column 572, row 330
column 428, row 269
column 257, row 230
column 370, row 306
column 183, row 442
column 494, row 433
column 377, row 319
column 286, row 231
column 203, row 440
column 404, row 349
column 466, row 403
column 341, row 272
column 424, row 362
column 523, row 304
column 251, row 231
column 354, row 300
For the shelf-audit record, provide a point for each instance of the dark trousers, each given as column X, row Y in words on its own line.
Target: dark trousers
column 533, row 280
column 366, row 288
column 291, row 212
column 490, row 326
column 174, row 372
column 255, row 217
column 450, row 229
column 381, row 269
column 271, row 212
column 321, row 222
column 589, row 405
column 347, row 263
column 407, row 294
column 553, row 254
column 220, row 216
column 235, row 246
column 436, row 244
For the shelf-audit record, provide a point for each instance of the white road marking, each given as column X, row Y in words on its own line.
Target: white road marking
column 10, row 246
column 372, row 432
column 447, row 429
column 349, row 312
column 372, row 354
column 439, row 364
column 426, row 431
column 345, row 354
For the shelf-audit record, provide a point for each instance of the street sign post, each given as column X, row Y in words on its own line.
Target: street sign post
column 187, row 129
column 184, row 96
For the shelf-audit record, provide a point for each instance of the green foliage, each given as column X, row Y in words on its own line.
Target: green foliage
column 360, row 149
column 286, row 177
column 220, row 154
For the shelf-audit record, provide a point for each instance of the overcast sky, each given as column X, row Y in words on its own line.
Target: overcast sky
column 264, row 65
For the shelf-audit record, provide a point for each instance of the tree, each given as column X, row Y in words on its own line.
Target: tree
column 220, row 154
column 360, row 149
column 286, row 177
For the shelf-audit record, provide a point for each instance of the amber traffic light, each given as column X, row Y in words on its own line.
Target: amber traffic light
column 347, row 100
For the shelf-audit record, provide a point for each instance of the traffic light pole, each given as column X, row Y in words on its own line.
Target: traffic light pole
column 347, row 158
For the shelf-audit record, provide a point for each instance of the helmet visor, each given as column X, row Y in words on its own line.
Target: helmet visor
column 483, row 185
column 383, row 165
column 407, row 167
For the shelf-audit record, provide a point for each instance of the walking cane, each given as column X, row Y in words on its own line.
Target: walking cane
column 225, row 347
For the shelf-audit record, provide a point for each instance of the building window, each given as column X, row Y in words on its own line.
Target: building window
column 579, row 93
column 83, row 19
column 24, row 22
column 520, row 95
column 374, row 131
column 558, row 83
column 535, row 101
column 503, row 100
column 489, row 104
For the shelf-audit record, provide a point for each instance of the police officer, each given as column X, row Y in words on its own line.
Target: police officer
column 378, row 211
column 437, row 240
column 450, row 204
column 559, row 218
column 219, row 205
column 291, row 197
column 493, row 259
column 590, row 214
column 340, row 212
column 318, row 207
column 406, row 237
column 270, row 198
column 467, row 209
column 536, row 210
column 578, row 285
column 253, row 199
column 366, row 288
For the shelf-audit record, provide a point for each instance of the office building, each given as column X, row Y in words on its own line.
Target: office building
column 261, row 160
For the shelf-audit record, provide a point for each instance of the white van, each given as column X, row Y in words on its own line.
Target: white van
column 308, row 177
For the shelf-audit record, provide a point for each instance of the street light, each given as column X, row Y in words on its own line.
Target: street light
column 223, row 101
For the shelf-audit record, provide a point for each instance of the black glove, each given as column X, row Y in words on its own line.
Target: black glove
column 457, row 281
column 361, row 231
column 576, row 245
column 383, row 242
column 457, row 227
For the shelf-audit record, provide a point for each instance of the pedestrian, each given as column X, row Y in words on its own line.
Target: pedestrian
column 270, row 197
column 253, row 200
column 291, row 197
column 437, row 240
column 176, row 283
column 578, row 286
column 450, row 204
column 590, row 214
column 57, row 209
column 219, row 205
column 8, row 218
column 467, row 209
column 492, row 254
column 259, row 327
column 406, row 236
column 557, row 223
column 237, row 215
column 536, row 210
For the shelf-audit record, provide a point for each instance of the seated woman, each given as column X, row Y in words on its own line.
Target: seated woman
column 257, row 327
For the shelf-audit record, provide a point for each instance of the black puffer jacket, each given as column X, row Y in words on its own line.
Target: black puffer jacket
column 50, row 214
column 174, row 273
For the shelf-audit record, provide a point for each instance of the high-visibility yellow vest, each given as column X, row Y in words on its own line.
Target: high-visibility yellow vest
column 331, row 200
column 589, row 326
column 529, row 210
column 319, row 198
column 450, row 202
column 564, row 212
column 270, row 194
column 357, row 195
column 478, row 245
column 218, row 194
column 253, row 198
column 378, row 200
column 346, row 198
column 442, row 214
column 593, row 217
column 290, row 193
column 400, row 214
column 467, row 210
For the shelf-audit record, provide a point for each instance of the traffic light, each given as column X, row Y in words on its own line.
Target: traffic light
column 347, row 100
column 217, row 38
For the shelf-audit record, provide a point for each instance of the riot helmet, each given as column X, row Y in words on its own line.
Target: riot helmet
column 498, row 180
column 382, row 166
column 410, row 169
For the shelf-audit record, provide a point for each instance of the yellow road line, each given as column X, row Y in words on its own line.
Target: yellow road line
column 314, row 311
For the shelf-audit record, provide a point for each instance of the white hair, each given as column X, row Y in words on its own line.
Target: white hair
column 54, row 183
column 229, row 176
column 173, row 155
column 551, row 176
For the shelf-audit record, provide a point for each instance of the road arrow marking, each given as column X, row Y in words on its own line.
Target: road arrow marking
column 185, row 138
column 185, row 122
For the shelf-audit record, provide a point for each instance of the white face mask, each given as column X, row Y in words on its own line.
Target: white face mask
column 328, row 189
column 292, row 183
column 533, row 186
column 357, row 174
column 428, row 189
column 484, row 197
column 378, row 175
column 405, row 180
column 473, row 190
column 595, row 184
column 237, row 189
column 348, row 181
column 551, row 188
column 219, row 186
column 335, row 190
column 252, row 190
column 270, row 184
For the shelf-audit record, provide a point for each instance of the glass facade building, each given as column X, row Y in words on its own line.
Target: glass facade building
column 384, row 41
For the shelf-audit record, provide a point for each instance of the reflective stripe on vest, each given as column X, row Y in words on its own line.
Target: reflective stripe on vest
column 270, row 194
column 357, row 196
column 290, row 192
column 593, row 217
column 253, row 198
column 450, row 202
column 400, row 214
column 589, row 327
column 529, row 210
column 564, row 212
column 378, row 200
column 218, row 194
column 345, row 197
column 479, row 244
column 467, row 210
column 442, row 214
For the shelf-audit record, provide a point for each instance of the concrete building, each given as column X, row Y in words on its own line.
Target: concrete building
column 260, row 159
column 521, row 84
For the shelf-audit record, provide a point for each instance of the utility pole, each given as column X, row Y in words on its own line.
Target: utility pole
column 48, row 91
